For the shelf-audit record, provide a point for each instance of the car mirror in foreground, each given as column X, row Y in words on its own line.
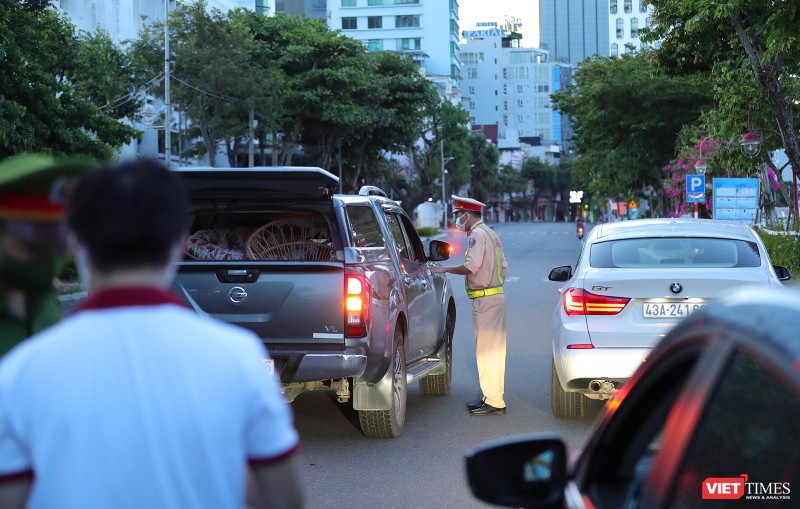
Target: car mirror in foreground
column 528, row 471
column 782, row 273
column 439, row 251
column 562, row 273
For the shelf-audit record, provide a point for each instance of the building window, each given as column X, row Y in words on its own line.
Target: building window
column 613, row 5
column 620, row 29
column 634, row 27
column 472, row 73
column 349, row 23
column 521, row 72
column 505, row 89
column 543, row 88
column 471, row 120
column 628, row 6
column 505, row 119
column 647, row 21
column 505, row 105
column 519, row 89
column 519, row 103
column 471, row 89
column 411, row 44
column 642, row 6
column 407, row 21
column 614, row 49
column 520, row 119
column 375, row 22
column 375, row 44
column 348, row 3
column 472, row 105
column 392, row 2
column 495, row 92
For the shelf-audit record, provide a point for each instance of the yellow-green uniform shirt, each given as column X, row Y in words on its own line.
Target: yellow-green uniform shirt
column 480, row 258
column 43, row 311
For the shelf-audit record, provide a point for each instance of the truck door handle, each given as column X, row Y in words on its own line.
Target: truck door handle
column 407, row 281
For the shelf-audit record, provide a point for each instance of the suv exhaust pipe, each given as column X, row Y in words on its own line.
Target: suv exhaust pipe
column 601, row 386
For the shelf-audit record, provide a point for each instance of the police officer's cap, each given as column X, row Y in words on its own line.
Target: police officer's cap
column 34, row 187
column 466, row 204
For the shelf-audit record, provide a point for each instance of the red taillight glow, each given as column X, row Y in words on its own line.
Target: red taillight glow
column 580, row 346
column 578, row 301
column 356, row 306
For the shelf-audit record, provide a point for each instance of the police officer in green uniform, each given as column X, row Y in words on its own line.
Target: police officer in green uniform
column 33, row 242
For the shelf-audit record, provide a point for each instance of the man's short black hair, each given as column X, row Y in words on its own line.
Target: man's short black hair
column 129, row 215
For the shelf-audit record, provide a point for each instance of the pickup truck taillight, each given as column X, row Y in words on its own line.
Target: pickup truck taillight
column 578, row 301
column 356, row 306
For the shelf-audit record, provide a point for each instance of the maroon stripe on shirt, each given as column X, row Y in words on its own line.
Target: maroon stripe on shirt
column 128, row 296
column 16, row 476
column 259, row 462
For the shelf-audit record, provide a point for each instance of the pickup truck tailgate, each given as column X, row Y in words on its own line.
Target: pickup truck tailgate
column 284, row 304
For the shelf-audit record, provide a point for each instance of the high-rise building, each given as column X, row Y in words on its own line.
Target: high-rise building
column 427, row 30
column 509, row 86
column 573, row 30
column 309, row 8
column 626, row 18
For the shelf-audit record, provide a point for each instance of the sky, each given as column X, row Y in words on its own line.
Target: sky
column 474, row 11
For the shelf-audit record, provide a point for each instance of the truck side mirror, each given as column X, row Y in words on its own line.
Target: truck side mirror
column 439, row 251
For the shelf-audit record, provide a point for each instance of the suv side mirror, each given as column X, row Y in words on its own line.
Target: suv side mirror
column 782, row 272
column 528, row 471
column 562, row 273
column 439, row 251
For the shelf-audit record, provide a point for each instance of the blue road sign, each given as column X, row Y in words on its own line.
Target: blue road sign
column 695, row 188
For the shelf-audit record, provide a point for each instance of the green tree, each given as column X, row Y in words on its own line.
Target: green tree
column 212, row 80
column 510, row 180
column 763, row 37
column 60, row 92
column 484, row 177
column 626, row 116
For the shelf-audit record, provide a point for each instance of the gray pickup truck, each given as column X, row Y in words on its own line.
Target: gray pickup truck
column 337, row 286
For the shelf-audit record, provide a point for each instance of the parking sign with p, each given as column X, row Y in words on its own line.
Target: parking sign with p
column 695, row 188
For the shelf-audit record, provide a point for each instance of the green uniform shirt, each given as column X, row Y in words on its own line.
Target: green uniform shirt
column 43, row 311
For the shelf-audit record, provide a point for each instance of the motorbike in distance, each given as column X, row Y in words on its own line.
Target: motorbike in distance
column 580, row 230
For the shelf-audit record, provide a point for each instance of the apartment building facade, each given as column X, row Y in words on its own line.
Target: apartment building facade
column 426, row 30
column 509, row 86
column 626, row 18
column 573, row 30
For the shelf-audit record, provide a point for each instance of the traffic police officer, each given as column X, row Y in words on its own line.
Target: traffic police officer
column 485, row 268
column 33, row 242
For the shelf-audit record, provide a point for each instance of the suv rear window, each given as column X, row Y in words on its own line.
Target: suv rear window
column 274, row 236
column 674, row 252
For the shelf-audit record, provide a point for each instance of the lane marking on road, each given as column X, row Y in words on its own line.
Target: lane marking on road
column 512, row 279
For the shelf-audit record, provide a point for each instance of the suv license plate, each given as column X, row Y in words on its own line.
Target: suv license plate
column 670, row 309
column 270, row 365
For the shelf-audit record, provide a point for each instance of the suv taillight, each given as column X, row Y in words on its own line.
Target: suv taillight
column 578, row 301
column 356, row 306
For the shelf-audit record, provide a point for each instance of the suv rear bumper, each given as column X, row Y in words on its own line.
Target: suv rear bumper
column 295, row 366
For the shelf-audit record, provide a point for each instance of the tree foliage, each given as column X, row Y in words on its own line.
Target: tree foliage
column 736, row 38
column 60, row 92
column 626, row 117
column 484, row 177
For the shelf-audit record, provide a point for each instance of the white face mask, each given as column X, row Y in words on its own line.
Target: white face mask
column 461, row 222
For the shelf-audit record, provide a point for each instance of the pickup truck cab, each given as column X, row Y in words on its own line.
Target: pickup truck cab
column 338, row 287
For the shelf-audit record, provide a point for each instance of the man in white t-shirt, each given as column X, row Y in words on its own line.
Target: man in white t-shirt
column 135, row 401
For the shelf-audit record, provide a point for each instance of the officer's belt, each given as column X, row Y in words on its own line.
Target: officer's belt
column 474, row 294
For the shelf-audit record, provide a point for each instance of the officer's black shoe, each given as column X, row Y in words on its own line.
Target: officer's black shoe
column 476, row 403
column 487, row 409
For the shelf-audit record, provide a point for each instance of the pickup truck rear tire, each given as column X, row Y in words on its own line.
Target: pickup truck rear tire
column 439, row 385
column 389, row 423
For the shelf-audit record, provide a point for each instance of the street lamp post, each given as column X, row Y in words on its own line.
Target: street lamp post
column 444, row 193
column 167, row 105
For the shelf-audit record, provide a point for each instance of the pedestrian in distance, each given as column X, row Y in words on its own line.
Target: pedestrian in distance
column 33, row 242
column 134, row 401
column 485, row 268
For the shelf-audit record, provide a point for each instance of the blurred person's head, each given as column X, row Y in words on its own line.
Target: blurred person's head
column 129, row 223
column 33, row 238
